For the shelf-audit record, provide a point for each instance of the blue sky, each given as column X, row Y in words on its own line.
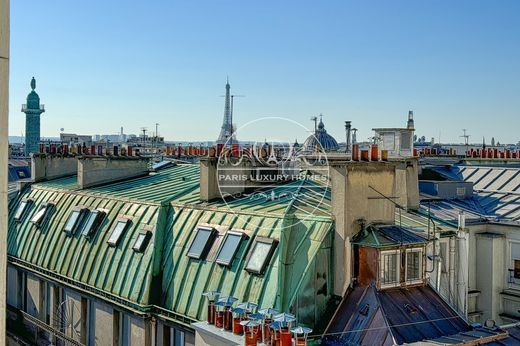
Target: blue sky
column 101, row 65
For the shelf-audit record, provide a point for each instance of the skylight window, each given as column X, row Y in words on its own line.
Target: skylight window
column 260, row 254
column 74, row 220
column 117, row 231
column 94, row 220
column 22, row 208
column 202, row 242
column 41, row 216
column 229, row 247
column 143, row 238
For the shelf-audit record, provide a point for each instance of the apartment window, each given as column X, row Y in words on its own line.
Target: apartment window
column 117, row 231
column 94, row 220
column 389, row 268
column 229, row 247
column 388, row 140
column 74, row 220
column 406, row 141
column 413, row 272
column 202, row 242
column 260, row 254
column 515, row 264
column 22, row 209
column 41, row 216
column 143, row 238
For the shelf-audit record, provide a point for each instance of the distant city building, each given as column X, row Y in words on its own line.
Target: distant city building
column 72, row 138
column 32, row 109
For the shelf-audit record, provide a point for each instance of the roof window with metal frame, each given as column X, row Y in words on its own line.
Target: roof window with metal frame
column 43, row 213
column 143, row 238
column 260, row 254
column 75, row 219
column 117, row 231
column 229, row 247
column 93, row 220
column 23, row 207
column 202, row 242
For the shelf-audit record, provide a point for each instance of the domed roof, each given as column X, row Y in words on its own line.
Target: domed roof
column 320, row 139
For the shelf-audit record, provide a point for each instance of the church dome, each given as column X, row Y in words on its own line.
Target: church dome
column 320, row 139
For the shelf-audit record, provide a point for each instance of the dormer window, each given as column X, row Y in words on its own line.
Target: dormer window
column 413, row 265
column 260, row 254
column 143, row 238
column 117, row 231
column 22, row 209
column 229, row 247
column 74, row 220
column 41, row 216
column 202, row 242
column 389, row 264
column 94, row 220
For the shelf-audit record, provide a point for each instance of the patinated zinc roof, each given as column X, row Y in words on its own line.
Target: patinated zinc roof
column 168, row 201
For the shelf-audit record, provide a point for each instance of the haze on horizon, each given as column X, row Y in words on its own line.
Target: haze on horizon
column 101, row 65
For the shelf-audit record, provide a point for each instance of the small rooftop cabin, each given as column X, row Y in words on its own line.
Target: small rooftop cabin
column 390, row 294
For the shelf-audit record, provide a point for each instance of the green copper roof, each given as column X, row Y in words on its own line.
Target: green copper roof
column 168, row 200
column 185, row 279
column 116, row 270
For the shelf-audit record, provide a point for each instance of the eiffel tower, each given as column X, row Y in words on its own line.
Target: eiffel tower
column 226, row 133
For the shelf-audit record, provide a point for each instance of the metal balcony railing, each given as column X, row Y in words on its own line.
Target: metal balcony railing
column 24, row 108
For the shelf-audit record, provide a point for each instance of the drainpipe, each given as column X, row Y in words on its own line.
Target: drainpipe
column 438, row 279
column 462, row 271
column 452, row 271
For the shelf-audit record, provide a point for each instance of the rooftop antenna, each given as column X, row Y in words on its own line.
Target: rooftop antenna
column 144, row 129
column 397, row 205
column 156, row 139
column 315, row 119
column 465, row 136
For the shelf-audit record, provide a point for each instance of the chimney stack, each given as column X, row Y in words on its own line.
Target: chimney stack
column 348, row 128
column 410, row 124
column 94, row 171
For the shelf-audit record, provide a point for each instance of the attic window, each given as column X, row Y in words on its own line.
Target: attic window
column 389, row 264
column 413, row 272
column 260, row 254
column 74, row 220
column 143, row 238
column 229, row 247
column 94, row 220
column 22, row 208
column 40, row 217
column 202, row 242
column 117, row 231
